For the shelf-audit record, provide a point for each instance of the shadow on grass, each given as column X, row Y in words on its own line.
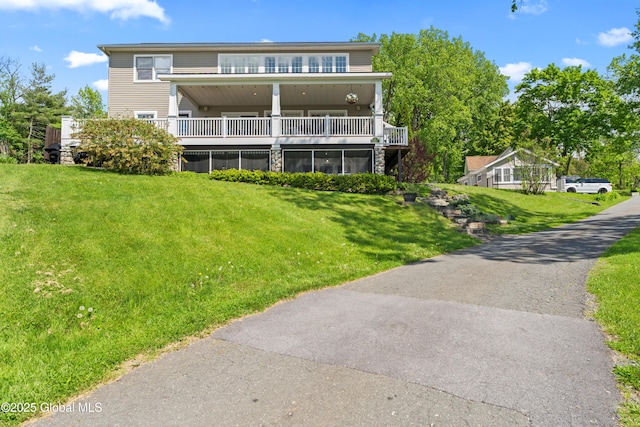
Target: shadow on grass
column 381, row 228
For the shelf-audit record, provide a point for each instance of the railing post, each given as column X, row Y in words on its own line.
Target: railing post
column 326, row 125
column 172, row 126
column 224, row 126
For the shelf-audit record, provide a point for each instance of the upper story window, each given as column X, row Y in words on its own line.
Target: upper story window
column 147, row 67
column 240, row 64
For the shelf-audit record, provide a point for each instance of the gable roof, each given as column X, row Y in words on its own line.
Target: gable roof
column 477, row 162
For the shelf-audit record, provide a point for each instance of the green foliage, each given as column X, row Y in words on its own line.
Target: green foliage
column 128, row 145
column 39, row 108
column 614, row 281
column 606, row 196
column 7, row 160
column 358, row 183
column 445, row 92
column 527, row 213
column 87, row 104
column 564, row 109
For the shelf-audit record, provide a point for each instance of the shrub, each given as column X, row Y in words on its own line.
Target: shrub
column 128, row 146
column 359, row 183
column 604, row 197
column 8, row 160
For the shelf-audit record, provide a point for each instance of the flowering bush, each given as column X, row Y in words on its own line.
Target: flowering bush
column 128, row 146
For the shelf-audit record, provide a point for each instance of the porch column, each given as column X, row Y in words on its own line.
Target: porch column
column 275, row 111
column 172, row 117
column 378, row 113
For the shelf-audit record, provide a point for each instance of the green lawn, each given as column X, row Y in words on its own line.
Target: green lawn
column 157, row 259
column 97, row 268
column 533, row 212
column 616, row 283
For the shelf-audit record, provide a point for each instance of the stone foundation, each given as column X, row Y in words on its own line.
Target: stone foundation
column 276, row 160
column 378, row 160
column 66, row 156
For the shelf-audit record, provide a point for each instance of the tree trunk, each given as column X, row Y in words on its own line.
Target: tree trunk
column 566, row 169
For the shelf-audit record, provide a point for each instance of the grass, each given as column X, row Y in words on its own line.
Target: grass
column 157, row 259
column 614, row 281
column 98, row 268
column 533, row 212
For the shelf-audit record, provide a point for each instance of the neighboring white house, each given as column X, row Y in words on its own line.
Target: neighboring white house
column 271, row 106
column 505, row 170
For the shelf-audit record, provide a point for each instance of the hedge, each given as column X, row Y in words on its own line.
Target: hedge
column 366, row 183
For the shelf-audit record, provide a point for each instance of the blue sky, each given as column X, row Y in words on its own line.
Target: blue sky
column 63, row 34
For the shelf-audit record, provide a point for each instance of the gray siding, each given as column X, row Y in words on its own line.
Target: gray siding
column 126, row 96
column 360, row 62
column 195, row 62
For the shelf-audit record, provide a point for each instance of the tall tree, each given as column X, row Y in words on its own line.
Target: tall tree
column 565, row 107
column 87, row 104
column 39, row 107
column 442, row 90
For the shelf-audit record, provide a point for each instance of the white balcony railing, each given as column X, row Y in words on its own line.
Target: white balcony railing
column 261, row 127
column 395, row 136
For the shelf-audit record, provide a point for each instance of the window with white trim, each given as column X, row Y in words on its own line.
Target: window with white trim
column 296, row 63
column 147, row 67
column 506, row 175
column 497, row 175
column 145, row 115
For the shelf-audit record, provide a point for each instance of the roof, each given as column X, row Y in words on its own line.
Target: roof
column 243, row 47
column 477, row 162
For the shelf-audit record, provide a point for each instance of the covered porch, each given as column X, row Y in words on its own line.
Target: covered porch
column 278, row 109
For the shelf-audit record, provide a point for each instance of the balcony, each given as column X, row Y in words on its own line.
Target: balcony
column 232, row 130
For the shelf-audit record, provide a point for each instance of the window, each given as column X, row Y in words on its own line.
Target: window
column 506, row 175
column 517, row 174
column 497, row 175
column 298, row 161
column 478, row 179
column 296, row 64
column 206, row 161
column 328, row 161
column 147, row 68
column 283, row 64
column 145, row 115
column 270, row 64
column 195, row 161
column 358, row 161
column 314, row 65
column 327, row 64
column 253, row 64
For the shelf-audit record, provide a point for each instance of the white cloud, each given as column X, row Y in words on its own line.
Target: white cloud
column 266, row 41
column 615, row 37
column 80, row 59
column 574, row 62
column 101, row 84
column 118, row 9
column 516, row 71
column 35, row 48
column 533, row 7
column 581, row 42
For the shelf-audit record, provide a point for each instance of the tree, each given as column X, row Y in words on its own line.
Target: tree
column 87, row 104
column 39, row 108
column 564, row 107
column 442, row 90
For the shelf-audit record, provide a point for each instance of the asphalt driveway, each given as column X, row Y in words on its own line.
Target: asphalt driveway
column 491, row 335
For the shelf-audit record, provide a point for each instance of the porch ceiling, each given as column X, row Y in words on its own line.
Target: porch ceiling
column 290, row 94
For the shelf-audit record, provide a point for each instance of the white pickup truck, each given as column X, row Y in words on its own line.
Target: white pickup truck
column 588, row 185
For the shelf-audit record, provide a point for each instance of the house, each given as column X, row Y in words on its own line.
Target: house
column 293, row 107
column 507, row 169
